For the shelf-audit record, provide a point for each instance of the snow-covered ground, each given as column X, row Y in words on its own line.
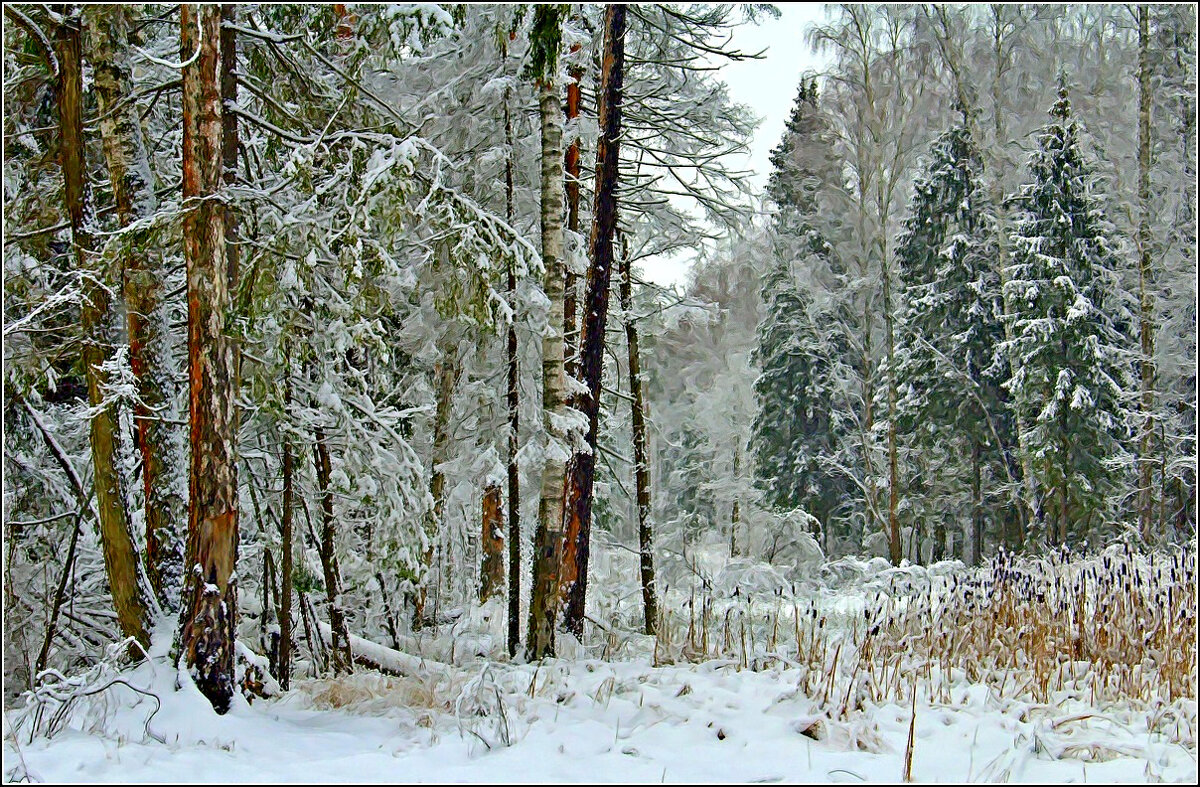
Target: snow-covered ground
column 589, row 721
column 768, row 712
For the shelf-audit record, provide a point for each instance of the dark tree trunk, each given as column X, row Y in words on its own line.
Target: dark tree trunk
column 581, row 470
column 340, row 655
column 209, row 609
column 1146, row 448
column 641, row 461
column 514, row 420
column 285, row 548
column 571, row 165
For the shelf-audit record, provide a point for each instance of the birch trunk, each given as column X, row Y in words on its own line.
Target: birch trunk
column 143, row 286
column 210, row 589
column 543, row 600
column 581, row 472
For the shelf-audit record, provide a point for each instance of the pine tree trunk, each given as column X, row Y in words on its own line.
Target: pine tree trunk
column 641, row 460
column 285, row 547
column 97, row 318
column 547, row 546
column 1146, row 448
column 209, row 608
column 514, row 420
column 339, row 647
column 581, row 471
column 491, row 574
column 570, row 319
column 143, row 283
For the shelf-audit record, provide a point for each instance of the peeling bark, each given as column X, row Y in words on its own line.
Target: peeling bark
column 210, row 592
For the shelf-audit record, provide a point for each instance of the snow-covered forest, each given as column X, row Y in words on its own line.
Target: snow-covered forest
column 347, row 438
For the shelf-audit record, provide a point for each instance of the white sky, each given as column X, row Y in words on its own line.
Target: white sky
column 768, row 87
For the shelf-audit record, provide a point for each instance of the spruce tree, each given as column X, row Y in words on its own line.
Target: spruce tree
column 1071, row 353
column 948, row 367
column 798, row 424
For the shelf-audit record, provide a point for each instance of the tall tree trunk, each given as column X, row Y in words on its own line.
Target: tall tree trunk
column 581, row 472
column 491, row 573
column 570, row 319
column 285, row 546
column 340, row 655
column 1146, row 449
column 547, row 545
column 514, row 471
column 143, row 283
column 447, row 376
column 209, row 608
column 641, row 460
column 97, row 317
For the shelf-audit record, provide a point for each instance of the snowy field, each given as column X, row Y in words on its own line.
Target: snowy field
column 827, row 705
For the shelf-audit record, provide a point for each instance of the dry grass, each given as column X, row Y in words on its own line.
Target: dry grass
column 1113, row 630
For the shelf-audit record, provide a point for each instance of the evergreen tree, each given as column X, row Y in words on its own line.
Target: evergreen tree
column 1070, row 352
column 949, row 371
column 797, row 424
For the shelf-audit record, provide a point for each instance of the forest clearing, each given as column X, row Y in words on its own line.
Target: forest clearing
column 356, row 428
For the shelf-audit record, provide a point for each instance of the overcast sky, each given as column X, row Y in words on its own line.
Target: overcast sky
column 768, row 87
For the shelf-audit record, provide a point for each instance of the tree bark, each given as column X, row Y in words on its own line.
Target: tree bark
column 1146, row 449
column 209, row 609
column 97, row 317
column 641, row 463
column 581, row 473
column 491, row 574
column 447, row 375
column 570, row 319
column 976, row 504
column 285, row 547
column 143, row 283
column 514, row 420
column 340, row 655
column 543, row 600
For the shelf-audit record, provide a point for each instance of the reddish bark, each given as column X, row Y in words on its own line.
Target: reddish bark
column 580, row 475
column 210, row 592
column 491, row 579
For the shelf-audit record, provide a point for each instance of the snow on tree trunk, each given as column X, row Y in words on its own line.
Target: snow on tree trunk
column 581, row 471
column 209, row 609
column 340, row 648
column 143, row 283
column 547, row 546
column 97, row 318
column 447, row 376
